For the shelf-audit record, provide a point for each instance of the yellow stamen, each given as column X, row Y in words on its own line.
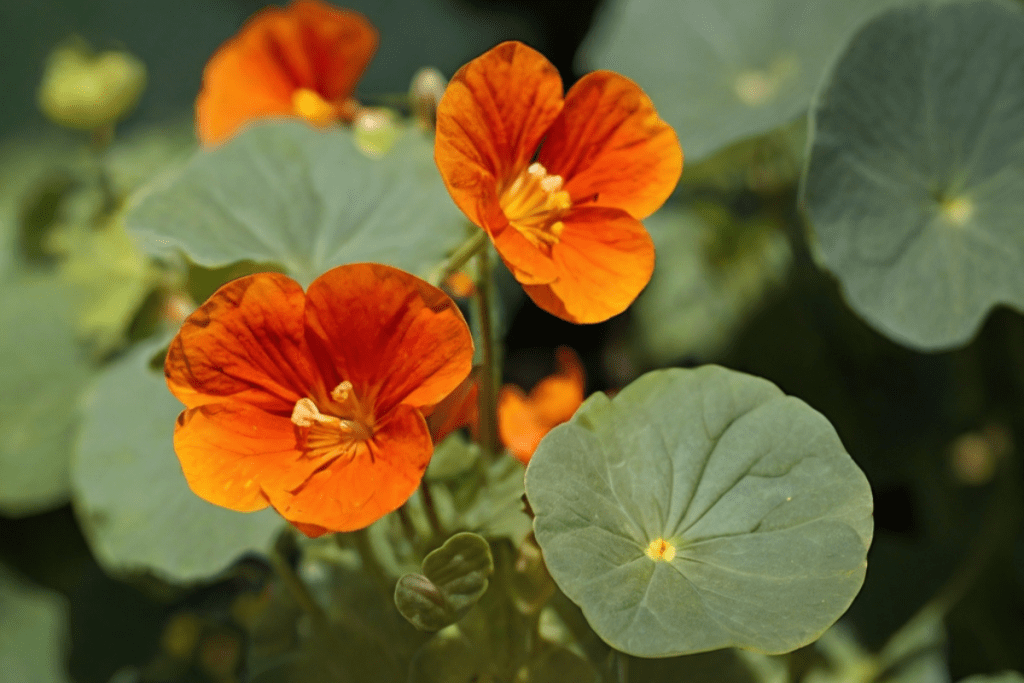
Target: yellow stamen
column 534, row 202
column 327, row 435
column 660, row 550
column 311, row 106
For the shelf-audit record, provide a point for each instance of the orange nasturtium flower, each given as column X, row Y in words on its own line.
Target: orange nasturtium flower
column 303, row 60
column 313, row 402
column 560, row 185
column 524, row 420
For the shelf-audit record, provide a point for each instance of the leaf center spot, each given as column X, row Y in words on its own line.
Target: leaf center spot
column 957, row 210
column 755, row 87
column 660, row 550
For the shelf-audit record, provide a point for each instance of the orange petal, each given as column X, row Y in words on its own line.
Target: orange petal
column 353, row 492
column 389, row 333
column 519, row 426
column 556, row 397
column 254, row 75
column 490, row 121
column 605, row 258
column 526, row 261
column 243, row 81
column 232, row 453
column 246, row 343
column 610, row 146
column 459, row 409
column 340, row 44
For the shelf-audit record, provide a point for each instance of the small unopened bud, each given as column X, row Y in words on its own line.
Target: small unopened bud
column 428, row 85
column 375, row 130
column 84, row 90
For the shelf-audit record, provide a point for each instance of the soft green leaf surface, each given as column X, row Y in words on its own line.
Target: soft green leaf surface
column 915, row 182
column 304, row 198
column 722, row 70
column 135, row 507
column 769, row 516
column 33, row 632
column 710, row 276
column 453, row 579
column 1002, row 677
column 42, row 372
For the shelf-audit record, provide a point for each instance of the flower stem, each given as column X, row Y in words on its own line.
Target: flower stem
column 467, row 250
column 488, row 395
column 298, row 590
column 428, row 505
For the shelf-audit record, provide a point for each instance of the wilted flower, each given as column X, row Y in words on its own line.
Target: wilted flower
column 559, row 185
column 303, row 60
column 313, row 402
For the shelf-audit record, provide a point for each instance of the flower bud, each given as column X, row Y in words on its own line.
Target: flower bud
column 375, row 130
column 425, row 91
column 84, row 90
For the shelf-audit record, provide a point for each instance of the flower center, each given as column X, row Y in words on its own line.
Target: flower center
column 335, row 433
column 311, row 106
column 660, row 550
column 534, row 203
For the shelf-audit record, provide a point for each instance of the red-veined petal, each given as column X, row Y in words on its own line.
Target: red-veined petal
column 395, row 337
column 232, row 453
column 610, row 146
column 355, row 491
column 490, row 121
column 246, row 343
column 605, row 258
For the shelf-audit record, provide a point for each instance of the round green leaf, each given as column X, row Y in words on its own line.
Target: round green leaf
column 42, row 373
column 723, row 70
column 701, row 509
column 132, row 500
column 915, row 181
column 307, row 199
column 35, row 631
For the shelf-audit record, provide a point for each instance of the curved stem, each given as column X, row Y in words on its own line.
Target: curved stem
column 460, row 257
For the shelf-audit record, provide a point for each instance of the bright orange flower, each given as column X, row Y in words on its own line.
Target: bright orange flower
column 563, row 215
column 313, row 402
column 303, row 60
column 524, row 420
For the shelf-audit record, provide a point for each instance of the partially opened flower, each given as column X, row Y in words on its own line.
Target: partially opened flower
column 313, row 402
column 523, row 419
column 303, row 60
column 560, row 185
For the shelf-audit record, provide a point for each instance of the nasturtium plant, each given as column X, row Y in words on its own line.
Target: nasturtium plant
column 915, row 179
column 701, row 509
column 305, row 199
column 724, row 70
column 134, row 505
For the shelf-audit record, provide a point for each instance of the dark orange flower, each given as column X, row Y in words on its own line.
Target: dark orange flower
column 559, row 185
column 303, row 60
column 524, row 420
column 313, row 402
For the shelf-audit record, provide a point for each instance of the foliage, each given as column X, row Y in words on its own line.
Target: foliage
column 798, row 457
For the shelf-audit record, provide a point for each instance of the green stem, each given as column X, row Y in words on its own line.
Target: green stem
column 428, row 505
column 298, row 590
column 371, row 565
column 460, row 257
column 488, row 395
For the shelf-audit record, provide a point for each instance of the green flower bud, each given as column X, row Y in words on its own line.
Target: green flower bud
column 84, row 90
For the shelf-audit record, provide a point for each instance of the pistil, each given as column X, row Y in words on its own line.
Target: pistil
column 331, row 435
